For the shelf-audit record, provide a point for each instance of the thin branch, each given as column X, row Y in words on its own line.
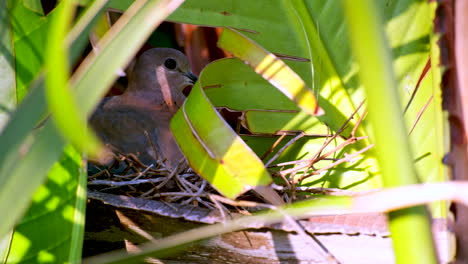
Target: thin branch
column 420, row 113
column 290, row 142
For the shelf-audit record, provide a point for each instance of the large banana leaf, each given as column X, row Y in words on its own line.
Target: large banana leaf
column 325, row 63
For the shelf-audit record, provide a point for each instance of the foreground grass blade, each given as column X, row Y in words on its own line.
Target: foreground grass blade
column 60, row 99
column 271, row 68
column 33, row 107
column 58, row 208
column 97, row 72
column 35, row 161
column 390, row 134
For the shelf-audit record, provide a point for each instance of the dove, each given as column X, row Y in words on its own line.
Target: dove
column 138, row 121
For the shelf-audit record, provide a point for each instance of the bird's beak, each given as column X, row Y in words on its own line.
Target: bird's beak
column 192, row 77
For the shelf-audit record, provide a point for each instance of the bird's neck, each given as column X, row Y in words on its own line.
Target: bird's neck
column 150, row 97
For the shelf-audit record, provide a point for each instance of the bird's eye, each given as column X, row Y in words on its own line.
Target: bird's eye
column 171, row 64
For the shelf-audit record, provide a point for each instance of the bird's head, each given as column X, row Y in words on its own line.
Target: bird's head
column 164, row 71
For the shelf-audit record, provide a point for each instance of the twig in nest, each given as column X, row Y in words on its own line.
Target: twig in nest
column 105, row 171
column 292, row 141
column 137, row 175
column 319, row 156
column 241, row 203
column 155, row 151
column 168, row 178
column 197, row 194
column 324, row 191
column 124, row 183
column 273, row 146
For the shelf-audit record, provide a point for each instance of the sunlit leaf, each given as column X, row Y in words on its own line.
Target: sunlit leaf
column 213, row 149
column 270, row 68
column 55, row 220
column 385, row 114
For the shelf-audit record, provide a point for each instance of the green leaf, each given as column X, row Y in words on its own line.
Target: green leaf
column 213, row 149
column 52, row 230
column 60, row 99
column 29, row 32
column 270, row 68
column 33, row 160
column 372, row 53
column 7, row 71
column 34, row 5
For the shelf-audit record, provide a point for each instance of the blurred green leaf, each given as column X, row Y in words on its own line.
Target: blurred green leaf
column 34, row 5
column 52, row 230
column 33, row 160
column 60, row 99
column 30, row 35
column 373, row 55
column 7, row 70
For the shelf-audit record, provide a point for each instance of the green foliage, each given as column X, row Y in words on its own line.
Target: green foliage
column 311, row 36
column 372, row 53
column 28, row 156
column 52, row 230
column 213, row 149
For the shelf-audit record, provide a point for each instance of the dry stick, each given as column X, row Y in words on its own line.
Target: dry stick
column 418, row 84
column 240, row 203
column 166, row 180
column 150, row 191
column 152, row 146
column 133, row 158
column 97, row 174
column 313, row 160
column 420, row 113
column 325, row 191
column 316, row 158
column 335, row 149
column 199, row 192
column 344, row 144
column 202, row 186
column 128, row 223
column 300, row 135
column 345, row 159
column 178, row 194
column 139, row 174
column 270, row 150
column 358, row 123
column 182, row 185
column 295, row 162
column 124, row 183
column 188, row 187
column 221, row 209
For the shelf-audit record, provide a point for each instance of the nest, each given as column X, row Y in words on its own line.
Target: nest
column 130, row 177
